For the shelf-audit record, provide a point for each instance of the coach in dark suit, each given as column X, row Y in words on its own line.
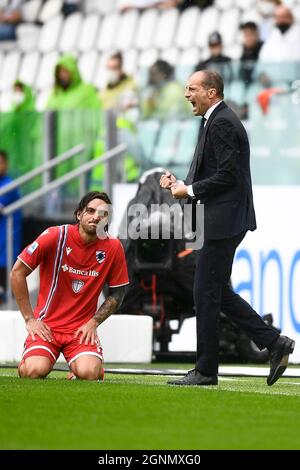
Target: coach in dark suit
column 219, row 177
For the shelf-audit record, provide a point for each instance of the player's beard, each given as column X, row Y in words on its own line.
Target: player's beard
column 89, row 229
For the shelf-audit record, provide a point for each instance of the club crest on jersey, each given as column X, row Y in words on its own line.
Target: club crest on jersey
column 77, row 285
column 100, row 256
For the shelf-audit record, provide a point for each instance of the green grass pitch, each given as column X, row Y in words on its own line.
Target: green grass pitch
column 142, row 412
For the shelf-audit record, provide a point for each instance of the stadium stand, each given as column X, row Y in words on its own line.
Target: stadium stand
column 49, row 34
column 100, row 28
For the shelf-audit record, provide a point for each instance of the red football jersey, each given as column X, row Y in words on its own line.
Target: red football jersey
column 72, row 275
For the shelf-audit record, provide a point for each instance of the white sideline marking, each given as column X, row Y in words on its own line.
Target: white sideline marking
column 242, row 371
column 290, row 383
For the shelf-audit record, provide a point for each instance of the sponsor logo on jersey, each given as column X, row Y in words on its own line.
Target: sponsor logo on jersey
column 68, row 250
column 77, row 285
column 100, row 256
column 32, row 248
column 91, row 272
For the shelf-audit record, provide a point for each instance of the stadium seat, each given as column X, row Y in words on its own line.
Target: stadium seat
column 166, row 148
column 29, row 68
column 170, row 55
column 102, row 6
column 188, row 141
column 70, row 33
column 236, row 92
column 6, row 46
column 126, row 29
column 296, row 12
column 165, row 29
column 229, row 17
column 224, row 5
column 180, row 171
column 45, row 77
column 252, row 92
column 145, row 29
column 147, row 136
column 49, row 34
column 209, row 22
column 245, row 5
column 6, row 101
column 30, row 10
column 289, row 3
column 42, row 99
column 187, row 63
column 185, row 34
column 146, row 59
column 234, row 51
column 9, row 70
column 27, row 36
column 107, row 35
column 130, row 60
column 50, row 9
column 87, row 65
column 189, row 130
column 251, row 15
column 88, row 34
column 2, row 55
column 99, row 77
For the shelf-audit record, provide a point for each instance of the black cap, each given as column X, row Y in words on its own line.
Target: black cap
column 249, row 25
column 214, row 38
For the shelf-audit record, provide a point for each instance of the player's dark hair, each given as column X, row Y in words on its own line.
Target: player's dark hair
column 4, row 155
column 213, row 80
column 88, row 198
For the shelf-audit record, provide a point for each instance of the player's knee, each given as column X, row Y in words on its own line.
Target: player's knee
column 93, row 372
column 34, row 371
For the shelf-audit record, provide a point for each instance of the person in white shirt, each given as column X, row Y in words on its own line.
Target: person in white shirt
column 281, row 46
column 266, row 10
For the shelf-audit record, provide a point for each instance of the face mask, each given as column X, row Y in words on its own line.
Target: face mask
column 18, row 97
column 283, row 27
column 64, row 83
column 112, row 77
column 266, row 8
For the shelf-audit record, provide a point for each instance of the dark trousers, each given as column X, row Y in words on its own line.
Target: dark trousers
column 213, row 294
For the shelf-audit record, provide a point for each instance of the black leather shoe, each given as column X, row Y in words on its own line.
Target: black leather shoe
column 194, row 377
column 279, row 358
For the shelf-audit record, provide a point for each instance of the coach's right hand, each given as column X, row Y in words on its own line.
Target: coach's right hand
column 167, row 180
column 38, row 327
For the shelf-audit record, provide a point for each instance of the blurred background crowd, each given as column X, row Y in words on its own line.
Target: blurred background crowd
column 98, row 64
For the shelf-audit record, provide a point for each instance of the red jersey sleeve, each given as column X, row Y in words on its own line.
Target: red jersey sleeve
column 118, row 275
column 40, row 249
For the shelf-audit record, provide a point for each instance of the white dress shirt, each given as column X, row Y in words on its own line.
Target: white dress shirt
column 206, row 117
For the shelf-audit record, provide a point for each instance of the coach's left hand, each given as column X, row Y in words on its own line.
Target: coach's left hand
column 179, row 191
column 88, row 332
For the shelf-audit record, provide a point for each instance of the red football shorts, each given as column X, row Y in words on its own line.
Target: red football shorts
column 61, row 343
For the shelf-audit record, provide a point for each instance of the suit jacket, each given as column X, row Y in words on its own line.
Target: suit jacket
column 220, row 176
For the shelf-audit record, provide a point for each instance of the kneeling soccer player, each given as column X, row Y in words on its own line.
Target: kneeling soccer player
column 75, row 262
